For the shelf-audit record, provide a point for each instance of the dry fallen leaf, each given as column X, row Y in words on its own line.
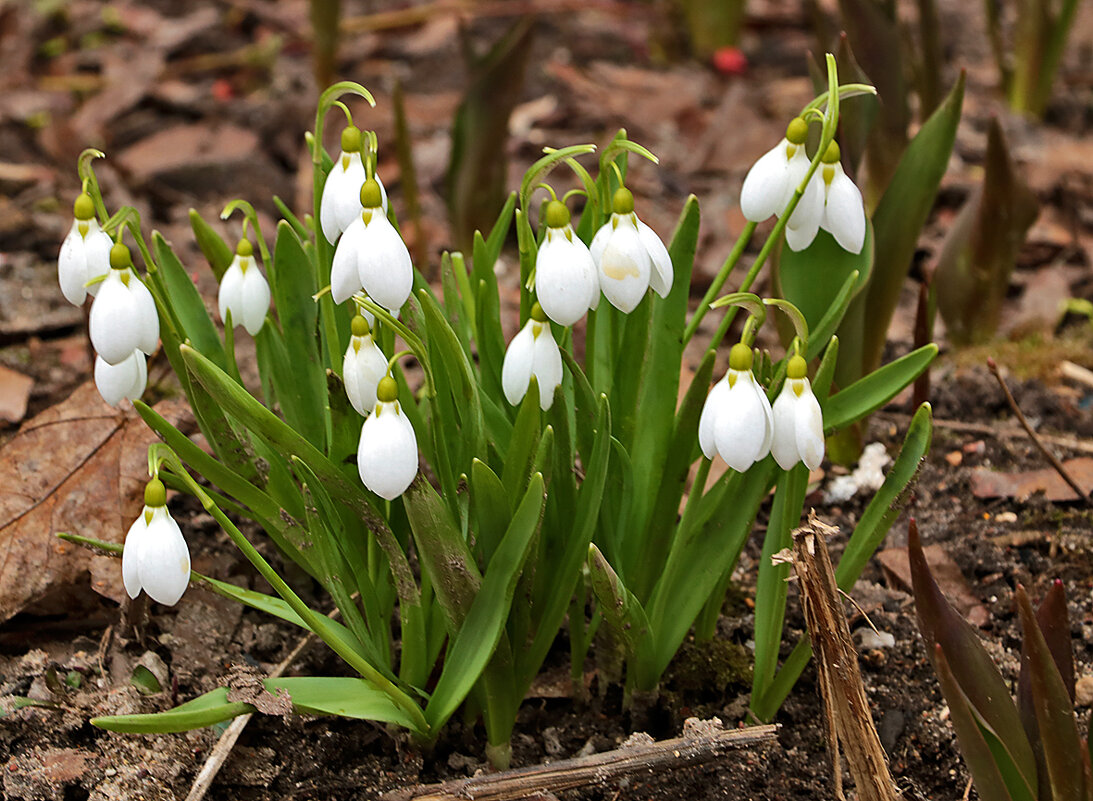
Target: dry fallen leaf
column 14, row 392
column 945, row 571
column 81, row 467
column 987, row 483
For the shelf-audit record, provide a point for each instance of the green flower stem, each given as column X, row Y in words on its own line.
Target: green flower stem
column 89, row 182
column 698, row 487
column 313, row 620
column 250, row 216
column 719, row 281
column 229, row 348
column 408, row 336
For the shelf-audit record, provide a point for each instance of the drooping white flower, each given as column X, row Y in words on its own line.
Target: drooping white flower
column 244, row 291
column 155, row 558
column 372, row 256
column 125, row 380
column 123, row 316
column 341, row 200
column 798, row 422
column 736, row 421
column 831, row 202
column 770, row 182
column 532, row 352
column 565, row 274
column 629, row 256
column 85, row 254
column 363, row 367
column 387, row 457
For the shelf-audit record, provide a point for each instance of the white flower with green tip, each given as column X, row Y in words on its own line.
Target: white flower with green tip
column 85, row 254
column 341, row 201
column 565, row 274
column 155, row 557
column 532, row 352
column 629, row 256
column 387, row 458
column 123, row 316
column 363, row 367
column 125, row 380
column 371, row 256
column 737, row 421
column 244, row 291
column 798, row 421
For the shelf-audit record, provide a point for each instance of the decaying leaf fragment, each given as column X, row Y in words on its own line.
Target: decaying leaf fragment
column 846, row 709
column 81, row 467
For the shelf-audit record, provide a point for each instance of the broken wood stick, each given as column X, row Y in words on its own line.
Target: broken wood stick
column 702, row 741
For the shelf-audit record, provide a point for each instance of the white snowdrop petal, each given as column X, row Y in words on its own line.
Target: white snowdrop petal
column 624, row 267
column 113, row 321
column 328, row 215
column 254, row 300
column 517, row 367
column 805, row 221
column 164, row 559
column 347, row 203
column 547, row 366
column 72, row 266
column 565, row 277
column 362, row 370
column 121, row 381
column 764, row 190
column 97, row 246
column 599, row 242
column 146, row 318
column 768, row 418
column 784, row 444
column 844, row 215
column 809, row 429
column 387, row 458
column 707, row 422
column 385, row 269
column 130, row 556
column 661, row 277
column 345, row 280
column 227, row 299
column 740, row 428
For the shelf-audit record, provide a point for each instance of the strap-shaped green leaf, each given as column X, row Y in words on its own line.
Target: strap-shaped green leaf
column 217, row 252
column 871, row 393
column 621, row 610
column 525, row 439
column 490, row 509
column 186, row 302
column 481, row 629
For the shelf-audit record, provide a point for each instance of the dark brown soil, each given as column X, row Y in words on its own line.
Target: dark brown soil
column 61, row 93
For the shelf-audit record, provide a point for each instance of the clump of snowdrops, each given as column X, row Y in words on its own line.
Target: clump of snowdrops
column 551, row 486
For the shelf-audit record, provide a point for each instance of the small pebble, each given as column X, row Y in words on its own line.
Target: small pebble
column 1005, row 517
column 1083, row 691
column 869, row 640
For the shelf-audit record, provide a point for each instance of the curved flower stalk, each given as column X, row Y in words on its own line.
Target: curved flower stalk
column 565, row 273
column 341, row 200
column 123, row 317
column 532, row 352
column 244, row 291
column 125, row 380
column 798, row 421
column 736, row 421
column 387, row 454
column 156, row 558
column 363, row 367
column 372, row 256
column 85, row 254
column 629, row 256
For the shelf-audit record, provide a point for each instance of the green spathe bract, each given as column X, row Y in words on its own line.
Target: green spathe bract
column 516, row 503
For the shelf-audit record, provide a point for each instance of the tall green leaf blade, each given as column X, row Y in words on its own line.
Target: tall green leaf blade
column 217, row 252
column 484, row 623
column 621, row 610
column 868, row 394
column 187, row 303
column 490, row 509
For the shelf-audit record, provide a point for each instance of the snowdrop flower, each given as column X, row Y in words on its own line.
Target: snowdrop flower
column 798, row 423
column 532, row 352
column 244, row 291
column 629, row 256
column 372, row 256
column 363, row 367
column 387, row 453
column 125, row 380
column 155, row 558
column 85, row 253
column 565, row 274
column 341, row 201
column 123, row 315
column 772, row 180
column 736, row 421
column 844, row 213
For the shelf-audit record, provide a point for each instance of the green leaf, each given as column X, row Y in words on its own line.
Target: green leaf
column 187, row 303
column 621, row 610
column 490, row 509
column 217, row 252
column 484, row 623
column 525, row 439
column 900, row 216
column 1052, row 705
column 973, row 671
column 871, row 393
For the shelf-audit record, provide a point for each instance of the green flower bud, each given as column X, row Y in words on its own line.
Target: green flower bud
column 244, row 248
column 832, row 154
column 155, row 494
column 740, row 357
column 119, row 257
column 797, row 367
column 359, row 326
column 537, row 313
column 557, row 215
column 84, row 208
column 351, row 139
column 623, row 201
column 387, row 391
column 797, row 131
column 371, row 196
